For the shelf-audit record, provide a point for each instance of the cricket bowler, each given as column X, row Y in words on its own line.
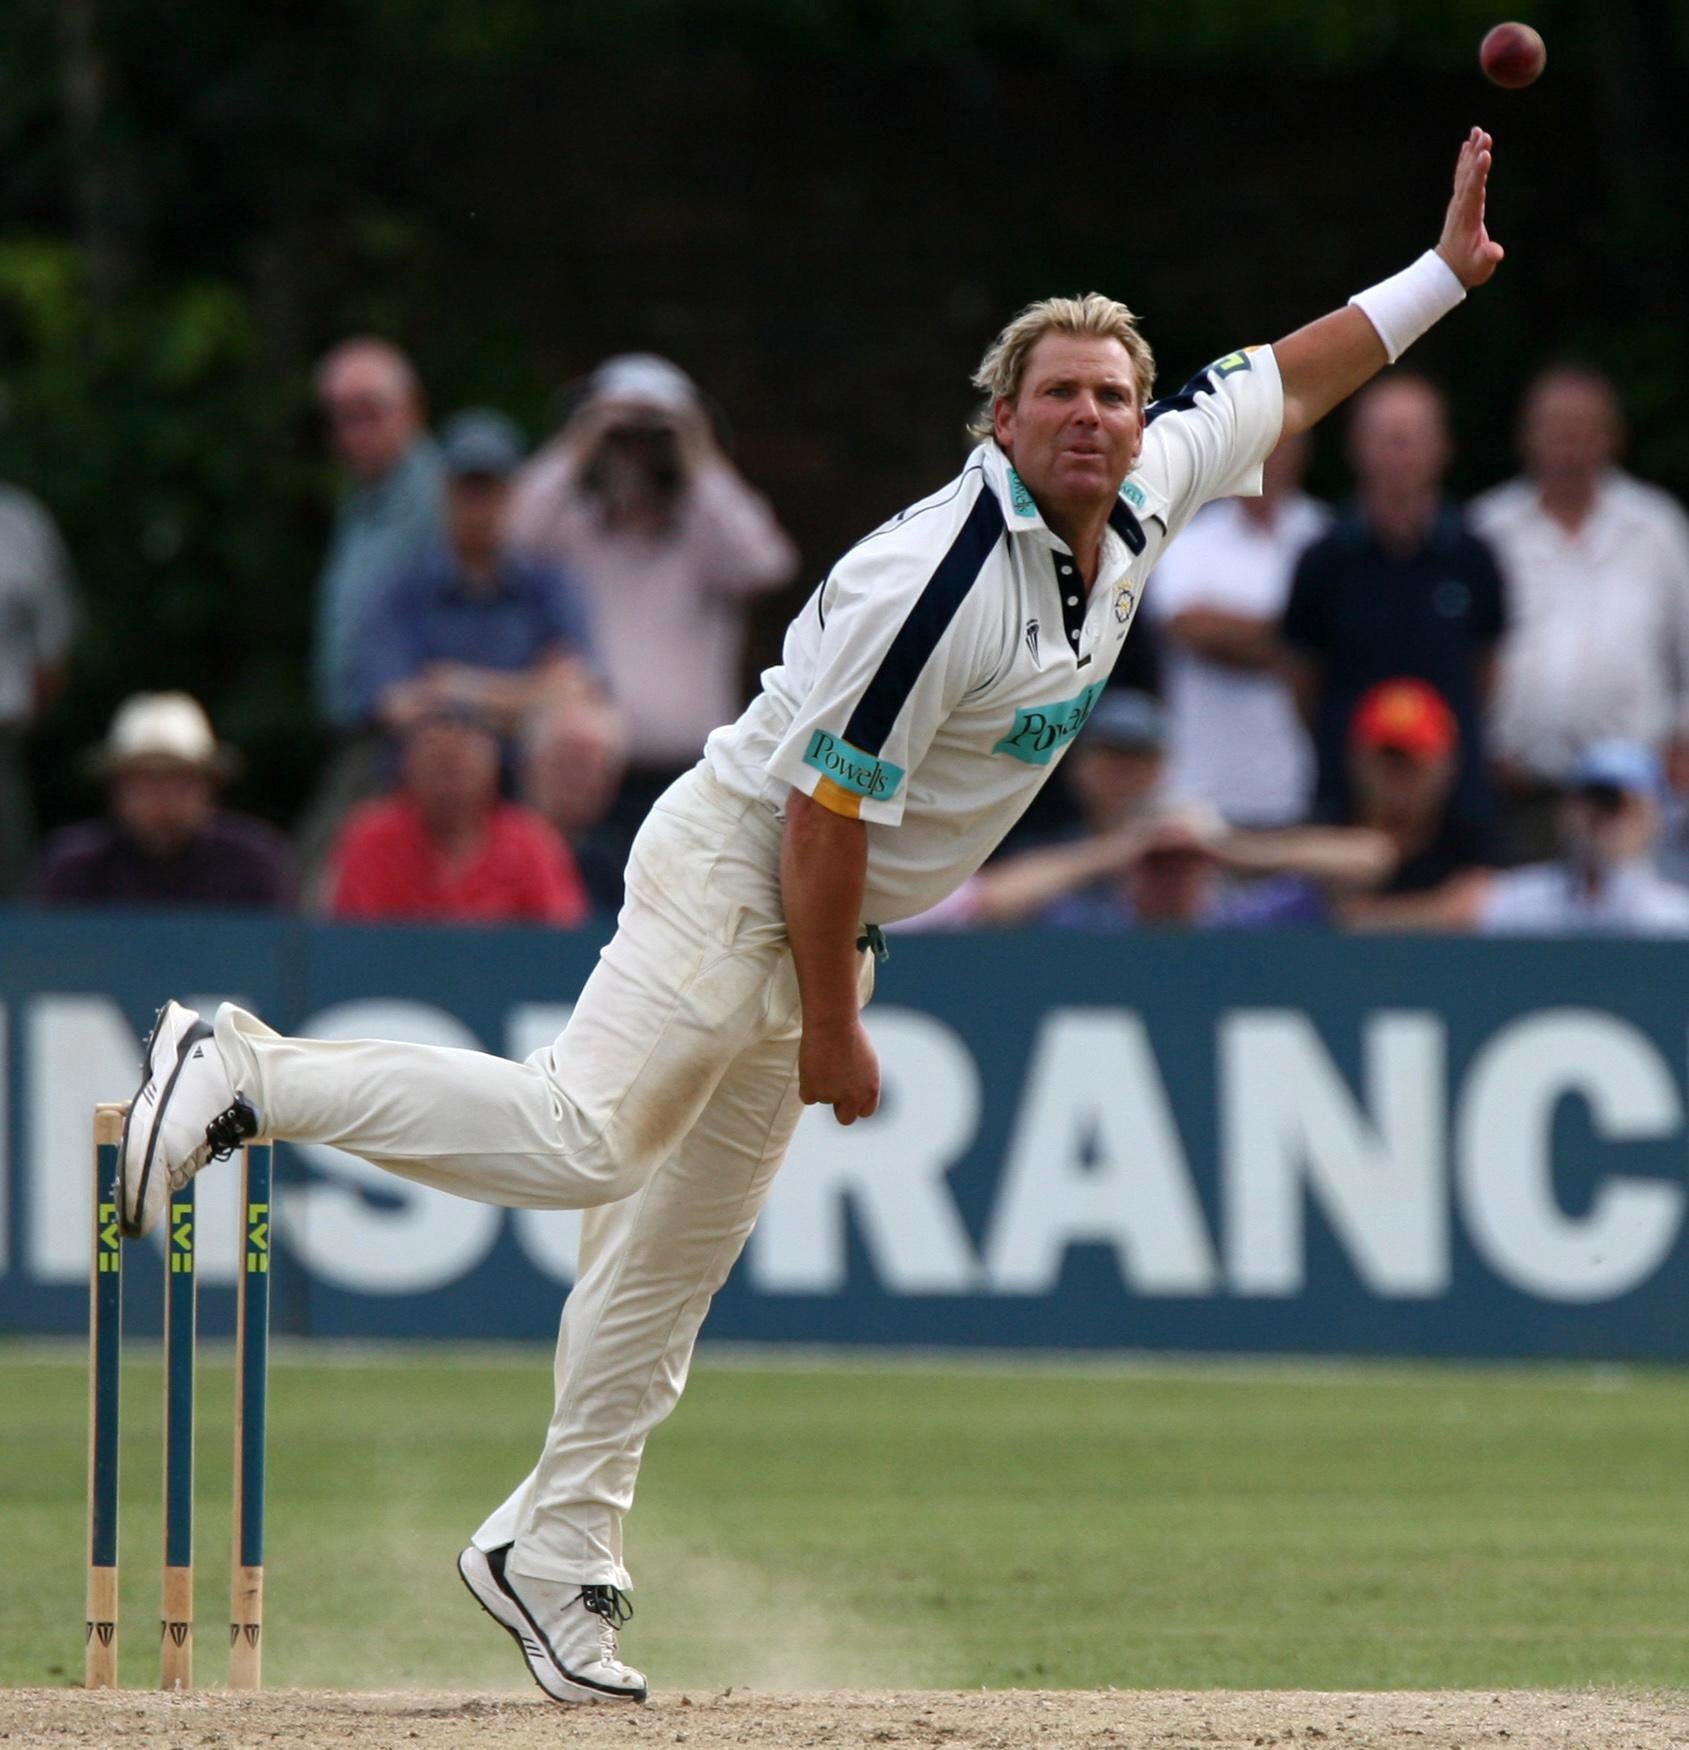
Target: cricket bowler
column 926, row 691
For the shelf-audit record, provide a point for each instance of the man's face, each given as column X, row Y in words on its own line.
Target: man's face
column 1605, row 827
column 371, row 417
column 1399, row 438
column 1110, row 782
column 164, row 807
column 1171, row 885
column 1570, row 434
column 1074, row 430
column 475, row 509
column 1395, row 788
column 451, row 769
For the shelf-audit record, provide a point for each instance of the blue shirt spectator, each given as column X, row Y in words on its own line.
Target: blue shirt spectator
column 436, row 616
column 472, row 622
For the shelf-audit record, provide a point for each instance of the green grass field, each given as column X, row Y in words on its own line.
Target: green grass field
column 1056, row 1526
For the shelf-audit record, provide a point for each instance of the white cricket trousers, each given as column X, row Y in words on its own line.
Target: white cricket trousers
column 663, row 1109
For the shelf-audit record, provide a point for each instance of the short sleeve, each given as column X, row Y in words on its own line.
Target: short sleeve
column 1489, row 593
column 564, row 616
column 1209, row 440
column 898, row 651
column 388, row 647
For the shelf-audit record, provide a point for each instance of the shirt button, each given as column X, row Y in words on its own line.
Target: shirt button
column 1073, row 601
column 1067, row 571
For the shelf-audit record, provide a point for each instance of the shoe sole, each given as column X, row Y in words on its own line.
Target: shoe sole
column 536, row 1651
column 198, row 1030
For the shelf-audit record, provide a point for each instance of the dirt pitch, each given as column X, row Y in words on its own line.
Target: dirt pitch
column 55, row 1719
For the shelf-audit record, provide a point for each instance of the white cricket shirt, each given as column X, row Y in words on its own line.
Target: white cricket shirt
column 931, row 684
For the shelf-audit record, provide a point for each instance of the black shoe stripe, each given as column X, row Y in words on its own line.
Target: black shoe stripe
column 496, row 1569
column 531, row 1655
column 132, row 1229
column 198, row 1031
column 515, row 1635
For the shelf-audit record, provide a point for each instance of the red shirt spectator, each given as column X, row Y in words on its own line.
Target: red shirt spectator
column 444, row 848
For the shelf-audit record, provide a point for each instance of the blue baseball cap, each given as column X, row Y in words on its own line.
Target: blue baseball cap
column 1619, row 765
column 481, row 443
column 1127, row 720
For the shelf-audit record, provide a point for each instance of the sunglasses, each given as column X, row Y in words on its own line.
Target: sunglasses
column 1604, row 798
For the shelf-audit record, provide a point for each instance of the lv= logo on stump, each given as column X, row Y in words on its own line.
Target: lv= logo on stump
column 105, row 1358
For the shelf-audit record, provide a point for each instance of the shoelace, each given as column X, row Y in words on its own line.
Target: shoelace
column 223, row 1135
column 609, row 1602
column 230, row 1128
column 611, row 1606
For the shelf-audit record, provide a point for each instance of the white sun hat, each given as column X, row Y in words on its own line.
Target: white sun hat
column 162, row 729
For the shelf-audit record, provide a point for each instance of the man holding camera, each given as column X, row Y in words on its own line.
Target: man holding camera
column 671, row 546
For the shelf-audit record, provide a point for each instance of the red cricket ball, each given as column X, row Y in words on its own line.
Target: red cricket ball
column 1512, row 55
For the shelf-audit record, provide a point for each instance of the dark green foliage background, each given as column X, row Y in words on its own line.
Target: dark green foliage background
column 822, row 209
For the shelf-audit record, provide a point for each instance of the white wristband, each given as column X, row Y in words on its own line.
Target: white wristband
column 1402, row 307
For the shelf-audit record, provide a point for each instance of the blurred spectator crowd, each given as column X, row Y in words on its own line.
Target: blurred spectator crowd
column 1401, row 713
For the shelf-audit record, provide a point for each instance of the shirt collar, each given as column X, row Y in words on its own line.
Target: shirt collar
column 1443, row 533
column 1020, row 510
column 1613, row 505
column 1021, row 514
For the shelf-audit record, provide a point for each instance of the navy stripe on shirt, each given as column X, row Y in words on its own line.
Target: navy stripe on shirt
column 1127, row 527
column 1201, row 384
column 917, row 638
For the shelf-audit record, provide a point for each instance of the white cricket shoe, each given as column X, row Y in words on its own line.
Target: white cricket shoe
column 567, row 1632
column 185, row 1114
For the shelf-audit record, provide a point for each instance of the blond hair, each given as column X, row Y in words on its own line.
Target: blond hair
column 1001, row 370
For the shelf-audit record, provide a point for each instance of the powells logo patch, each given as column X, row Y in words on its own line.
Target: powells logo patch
column 850, row 768
column 1041, row 732
column 1133, row 493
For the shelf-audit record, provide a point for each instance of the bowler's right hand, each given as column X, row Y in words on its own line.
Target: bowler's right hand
column 837, row 1067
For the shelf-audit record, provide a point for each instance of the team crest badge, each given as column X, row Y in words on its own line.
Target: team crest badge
column 1124, row 603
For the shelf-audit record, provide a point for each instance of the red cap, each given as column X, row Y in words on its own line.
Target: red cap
column 1407, row 715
